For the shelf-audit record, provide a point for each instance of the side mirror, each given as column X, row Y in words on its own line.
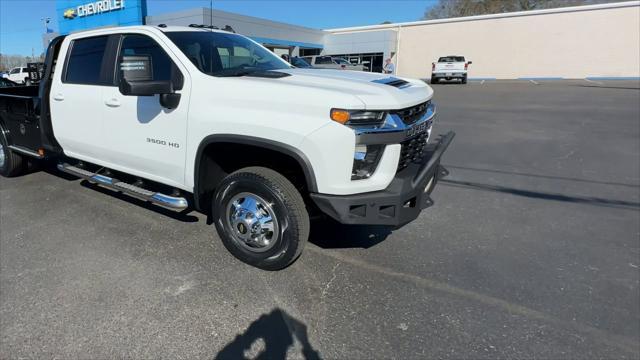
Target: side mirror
column 135, row 79
column 469, row 62
column 144, row 88
column 168, row 98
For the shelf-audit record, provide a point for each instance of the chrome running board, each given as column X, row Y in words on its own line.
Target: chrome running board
column 167, row 201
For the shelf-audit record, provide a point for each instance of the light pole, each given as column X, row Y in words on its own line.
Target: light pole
column 45, row 22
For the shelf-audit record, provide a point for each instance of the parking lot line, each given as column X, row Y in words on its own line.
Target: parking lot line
column 535, row 82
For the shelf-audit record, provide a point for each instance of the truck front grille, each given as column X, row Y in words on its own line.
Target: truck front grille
column 412, row 114
column 412, row 150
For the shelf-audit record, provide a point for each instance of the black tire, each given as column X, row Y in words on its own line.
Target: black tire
column 434, row 80
column 284, row 201
column 464, row 79
column 11, row 164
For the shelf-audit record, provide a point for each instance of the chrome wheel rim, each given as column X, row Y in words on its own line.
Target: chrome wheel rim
column 252, row 222
column 2, row 156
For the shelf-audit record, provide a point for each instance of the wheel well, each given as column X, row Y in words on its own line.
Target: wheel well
column 219, row 159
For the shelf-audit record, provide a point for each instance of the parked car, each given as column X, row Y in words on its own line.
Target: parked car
column 241, row 136
column 329, row 62
column 300, row 63
column 450, row 67
column 7, row 83
column 19, row 75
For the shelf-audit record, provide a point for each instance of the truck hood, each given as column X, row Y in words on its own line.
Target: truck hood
column 376, row 91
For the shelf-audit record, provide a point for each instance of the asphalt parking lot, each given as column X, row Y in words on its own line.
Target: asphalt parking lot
column 532, row 250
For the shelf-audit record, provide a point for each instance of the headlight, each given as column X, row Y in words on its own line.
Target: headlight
column 365, row 161
column 358, row 118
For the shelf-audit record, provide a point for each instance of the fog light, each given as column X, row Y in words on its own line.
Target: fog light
column 365, row 161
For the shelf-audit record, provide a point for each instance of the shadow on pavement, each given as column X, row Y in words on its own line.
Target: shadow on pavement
column 180, row 216
column 329, row 234
column 277, row 331
column 609, row 87
column 550, row 177
column 619, row 204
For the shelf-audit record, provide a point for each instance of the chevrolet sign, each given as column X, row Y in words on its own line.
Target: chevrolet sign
column 94, row 8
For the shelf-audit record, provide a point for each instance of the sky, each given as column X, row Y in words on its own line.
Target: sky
column 21, row 28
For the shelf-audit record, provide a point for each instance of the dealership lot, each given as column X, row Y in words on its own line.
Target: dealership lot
column 532, row 249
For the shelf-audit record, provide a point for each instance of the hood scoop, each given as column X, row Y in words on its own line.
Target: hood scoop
column 392, row 81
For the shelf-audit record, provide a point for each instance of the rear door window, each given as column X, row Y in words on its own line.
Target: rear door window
column 85, row 61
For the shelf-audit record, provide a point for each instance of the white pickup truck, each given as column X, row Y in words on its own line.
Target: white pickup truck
column 19, row 75
column 330, row 62
column 449, row 68
column 192, row 118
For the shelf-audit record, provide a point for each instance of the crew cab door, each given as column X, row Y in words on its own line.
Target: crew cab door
column 76, row 97
column 145, row 138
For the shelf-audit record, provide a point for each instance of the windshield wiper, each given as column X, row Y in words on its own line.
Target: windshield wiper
column 255, row 72
column 237, row 72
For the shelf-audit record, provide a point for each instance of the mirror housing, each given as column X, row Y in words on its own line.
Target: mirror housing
column 170, row 101
column 168, row 98
column 145, row 88
column 469, row 62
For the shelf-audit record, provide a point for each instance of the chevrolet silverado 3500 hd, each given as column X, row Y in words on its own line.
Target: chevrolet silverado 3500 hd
column 186, row 117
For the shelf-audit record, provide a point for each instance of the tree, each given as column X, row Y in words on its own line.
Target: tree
column 444, row 9
column 8, row 62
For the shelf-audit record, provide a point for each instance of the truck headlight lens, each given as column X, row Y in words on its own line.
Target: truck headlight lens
column 365, row 161
column 358, row 118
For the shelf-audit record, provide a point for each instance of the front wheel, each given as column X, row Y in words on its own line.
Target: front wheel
column 261, row 218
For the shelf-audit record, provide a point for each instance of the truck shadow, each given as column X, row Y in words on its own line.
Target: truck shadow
column 270, row 337
column 329, row 234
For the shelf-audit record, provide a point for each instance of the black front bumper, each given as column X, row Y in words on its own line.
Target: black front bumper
column 398, row 204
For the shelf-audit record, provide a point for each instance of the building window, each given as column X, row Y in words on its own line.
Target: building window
column 309, row 52
column 372, row 62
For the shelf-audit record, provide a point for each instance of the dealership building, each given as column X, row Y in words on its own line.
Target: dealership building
column 593, row 41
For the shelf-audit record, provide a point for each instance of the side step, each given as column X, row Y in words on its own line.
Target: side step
column 171, row 202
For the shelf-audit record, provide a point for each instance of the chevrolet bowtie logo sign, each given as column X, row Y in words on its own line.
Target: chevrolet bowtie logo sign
column 94, row 8
column 69, row 13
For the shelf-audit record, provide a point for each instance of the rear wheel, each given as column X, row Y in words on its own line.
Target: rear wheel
column 464, row 79
column 11, row 164
column 261, row 218
column 434, row 79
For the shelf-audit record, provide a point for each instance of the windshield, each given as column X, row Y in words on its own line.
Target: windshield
column 451, row 59
column 224, row 54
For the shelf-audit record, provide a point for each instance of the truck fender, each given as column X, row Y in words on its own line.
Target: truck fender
column 285, row 149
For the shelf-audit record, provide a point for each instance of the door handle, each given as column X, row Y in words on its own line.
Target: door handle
column 112, row 102
column 58, row 97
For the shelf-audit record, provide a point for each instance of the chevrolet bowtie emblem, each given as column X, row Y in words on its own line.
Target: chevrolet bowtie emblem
column 69, row 14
